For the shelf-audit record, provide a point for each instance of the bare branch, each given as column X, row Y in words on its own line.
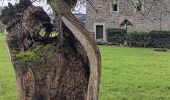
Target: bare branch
column 90, row 2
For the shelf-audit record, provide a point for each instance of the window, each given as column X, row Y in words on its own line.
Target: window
column 115, row 7
column 139, row 6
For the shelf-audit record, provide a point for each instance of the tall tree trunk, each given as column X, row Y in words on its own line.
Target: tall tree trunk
column 64, row 67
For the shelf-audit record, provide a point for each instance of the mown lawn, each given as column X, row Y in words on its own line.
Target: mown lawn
column 127, row 74
column 134, row 74
column 7, row 75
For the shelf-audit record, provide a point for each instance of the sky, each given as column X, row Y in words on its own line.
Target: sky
column 78, row 9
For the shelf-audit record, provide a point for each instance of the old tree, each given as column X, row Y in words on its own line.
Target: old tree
column 63, row 67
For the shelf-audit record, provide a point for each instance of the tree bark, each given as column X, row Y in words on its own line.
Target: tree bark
column 63, row 67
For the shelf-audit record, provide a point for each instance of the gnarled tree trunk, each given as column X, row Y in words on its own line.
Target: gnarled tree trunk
column 64, row 67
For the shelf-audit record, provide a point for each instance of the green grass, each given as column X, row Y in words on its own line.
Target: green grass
column 134, row 74
column 127, row 74
column 7, row 75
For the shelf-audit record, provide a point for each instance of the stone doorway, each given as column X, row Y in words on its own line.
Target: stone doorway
column 99, row 29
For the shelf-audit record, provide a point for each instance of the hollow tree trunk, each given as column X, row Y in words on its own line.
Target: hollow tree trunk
column 64, row 67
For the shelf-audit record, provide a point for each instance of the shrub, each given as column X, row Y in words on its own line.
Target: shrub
column 139, row 39
column 115, row 36
column 154, row 39
column 160, row 39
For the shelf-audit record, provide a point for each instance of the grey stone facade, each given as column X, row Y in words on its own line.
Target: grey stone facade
column 153, row 15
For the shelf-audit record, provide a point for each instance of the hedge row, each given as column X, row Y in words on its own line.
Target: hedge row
column 139, row 39
column 154, row 39
column 115, row 36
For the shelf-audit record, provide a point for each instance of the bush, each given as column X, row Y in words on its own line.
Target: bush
column 115, row 36
column 139, row 39
column 154, row 39
column 160, row 39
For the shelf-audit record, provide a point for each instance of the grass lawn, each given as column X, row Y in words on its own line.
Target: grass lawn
column 7, row 75
column 134, row 74
column 127, row 74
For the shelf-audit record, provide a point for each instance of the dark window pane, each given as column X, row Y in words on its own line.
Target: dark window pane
column 99, row 31
column 114, row 7
column 138, row 8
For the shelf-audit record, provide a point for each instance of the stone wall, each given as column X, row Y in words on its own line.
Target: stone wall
column 153, row 16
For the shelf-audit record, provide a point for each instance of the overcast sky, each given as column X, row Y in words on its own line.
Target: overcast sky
column 79, row 9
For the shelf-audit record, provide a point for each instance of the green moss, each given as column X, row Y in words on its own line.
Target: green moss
column 36, row 56
column 42, row 33
column 52, row 34
column 54, row 4
column 29, row 56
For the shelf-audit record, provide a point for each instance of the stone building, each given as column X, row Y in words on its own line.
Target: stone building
column 145, row 15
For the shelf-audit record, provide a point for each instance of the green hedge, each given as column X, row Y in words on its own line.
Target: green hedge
column 153, row 39
column 139, row 39
column 115, row 36
column 160, row 39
